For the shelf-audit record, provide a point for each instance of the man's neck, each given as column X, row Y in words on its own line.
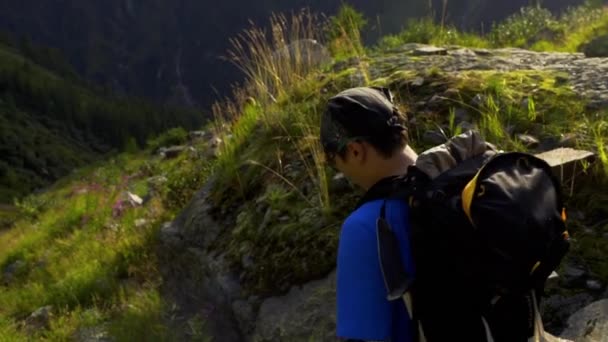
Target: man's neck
column 395, row 166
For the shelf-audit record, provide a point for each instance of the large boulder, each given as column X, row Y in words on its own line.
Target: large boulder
column 589, row 324
column 306, row 313
column 198, row 282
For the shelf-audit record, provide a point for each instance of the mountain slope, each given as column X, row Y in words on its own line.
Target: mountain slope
column 51, row 124
column 234, row 235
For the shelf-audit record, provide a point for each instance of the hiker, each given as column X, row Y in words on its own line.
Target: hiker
column 455, row 243
column 364, row 136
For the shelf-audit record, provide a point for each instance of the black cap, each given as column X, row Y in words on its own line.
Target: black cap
column 358, row 113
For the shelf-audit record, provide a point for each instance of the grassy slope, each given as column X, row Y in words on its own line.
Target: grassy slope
column 85, row 253
column 78, row 251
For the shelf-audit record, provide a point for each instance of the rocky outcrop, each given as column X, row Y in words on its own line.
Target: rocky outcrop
column 584, row 75
column 589, row 324
column 200, row 283
column 305, row 313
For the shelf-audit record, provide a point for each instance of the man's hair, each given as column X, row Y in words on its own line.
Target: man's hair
column 363, row 114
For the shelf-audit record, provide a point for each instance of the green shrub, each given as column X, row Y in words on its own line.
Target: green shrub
column 174, row 136
column 426, row 31
column 31, row 206
column 344, row 33
column 183, row 184
column 131, row 145
column 526, row 27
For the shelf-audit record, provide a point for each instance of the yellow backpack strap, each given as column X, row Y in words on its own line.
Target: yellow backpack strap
column 467, row 196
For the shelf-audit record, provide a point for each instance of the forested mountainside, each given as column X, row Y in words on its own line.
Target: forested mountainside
column 52, row 122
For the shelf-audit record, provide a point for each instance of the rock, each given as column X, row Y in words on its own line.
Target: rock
column 215, row 142
column 482, row 52
column 478, row 100
column 247, row 261
column 565, row 162
column 171, row 152
column 594, row 285
column 156, row 181
column 140, row 223
column 528, row 140
column 226, row 281
column 268, row 216
column 589, row 324
column 134, row 199
column 305, row 313
column 170, row 235
column 197, row 278
column 309, row 216
column 243, row 312
column 11, row 270
column 462, row 53
column 558, row 308
column 564, row 140
column 451, row 93
column 568, row 140
column 436, row 101
column 213, row 153
column 550, row 338
column 198, row 135
column 193, row 152
column 417, row 82
column 461, row 114
column 433, row 138
column 573, row 272
column 420, row 104
column 39, row 320
column 93, row 334
column 467, row 126
column 430, row 51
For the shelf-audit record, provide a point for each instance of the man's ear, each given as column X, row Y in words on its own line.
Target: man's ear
column 357, row 150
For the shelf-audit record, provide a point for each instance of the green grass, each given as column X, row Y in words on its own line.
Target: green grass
column 92, row 264
column 426, row 31
column 532, row 27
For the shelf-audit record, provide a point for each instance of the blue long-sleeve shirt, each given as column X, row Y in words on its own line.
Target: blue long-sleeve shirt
column 363, row 312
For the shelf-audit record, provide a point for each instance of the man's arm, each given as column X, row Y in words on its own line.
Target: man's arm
column 363, row 312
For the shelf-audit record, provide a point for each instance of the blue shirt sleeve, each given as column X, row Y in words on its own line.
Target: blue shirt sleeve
column 363, row 312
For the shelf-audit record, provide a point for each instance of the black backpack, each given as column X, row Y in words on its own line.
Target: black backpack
column 487, row 230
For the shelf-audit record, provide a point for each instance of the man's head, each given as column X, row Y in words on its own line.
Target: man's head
column 361, row 131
